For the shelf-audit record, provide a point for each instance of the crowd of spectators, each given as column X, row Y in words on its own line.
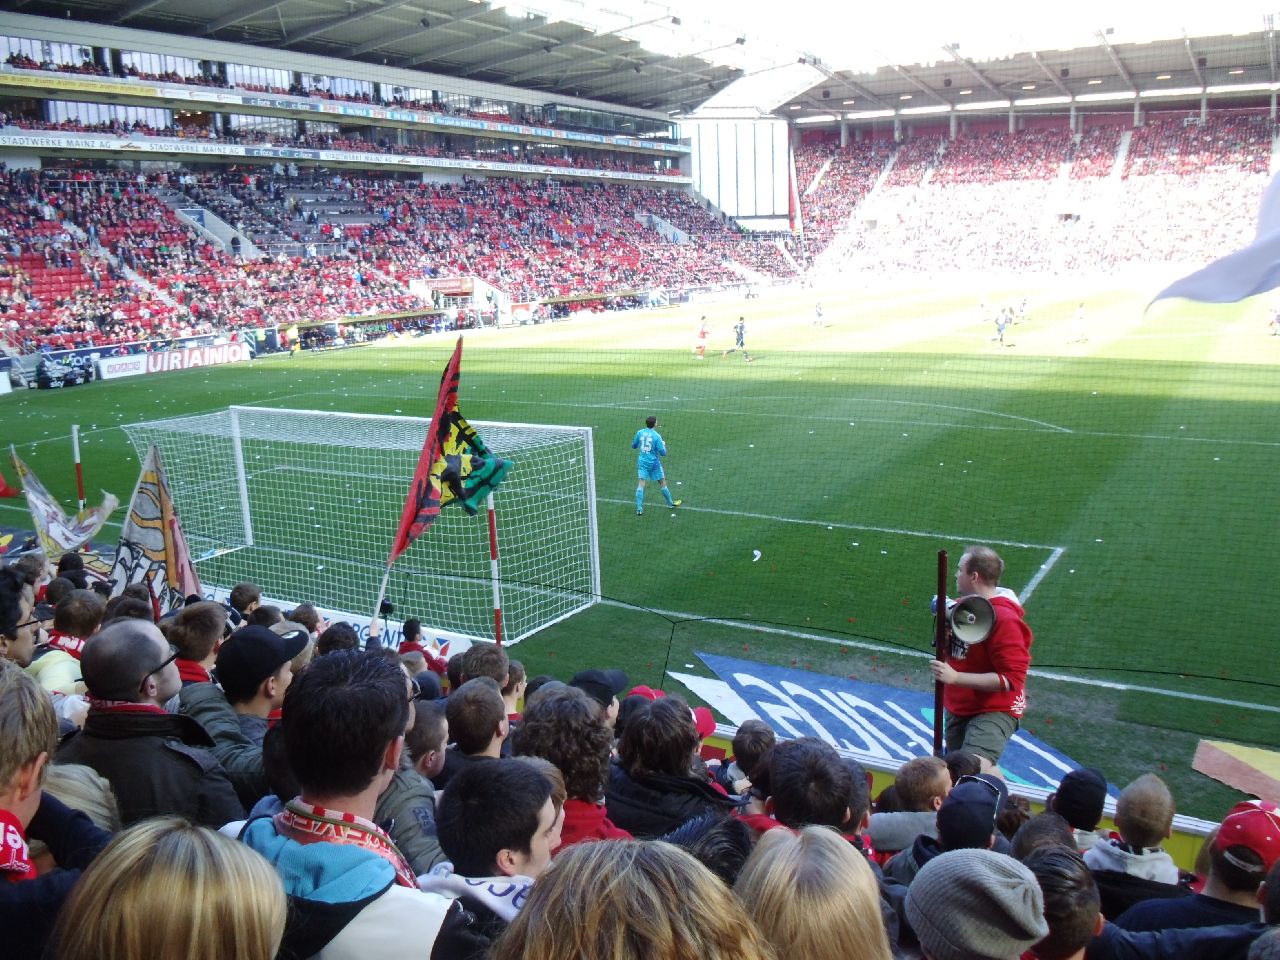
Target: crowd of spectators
column 23, row 62
column 341, row 247
column 97, row 257
column 849, row 177
column 1001, row 157
column 1187, row 193
column 810, row 158
column 1095, row 153
column 429, row 145
column 1189, row 148
column 240, row 779
column 319, row 91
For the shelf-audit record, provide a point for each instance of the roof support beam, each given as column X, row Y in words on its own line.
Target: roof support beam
column 974, row 71
column 441, row 53
column 581, row 43
column 1115, row 59
column 142, row 6
column 628, row 79
column 1271, row 43
column 400, row 36
column 620, row 59
column 1195, row 64
column 649, row 91
column 242, row 12
column 1062, row 87
column 337, row 23
column 860, row 91
column 928, row 91
column 511, row 57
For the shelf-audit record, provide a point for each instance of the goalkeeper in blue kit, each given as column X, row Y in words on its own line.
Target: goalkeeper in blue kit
column 649, row 465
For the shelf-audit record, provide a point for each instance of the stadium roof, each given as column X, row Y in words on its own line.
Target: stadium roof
column 645, row 55
column 672, row 55
column 1104, row 75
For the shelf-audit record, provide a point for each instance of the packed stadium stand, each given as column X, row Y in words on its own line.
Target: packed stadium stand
column 450, row 784
column 97, row 255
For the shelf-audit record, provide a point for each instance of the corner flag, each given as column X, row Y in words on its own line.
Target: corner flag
column 455, row 464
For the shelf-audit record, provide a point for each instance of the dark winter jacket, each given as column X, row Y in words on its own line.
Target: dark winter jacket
column 240, row 757
column 29, row 908
column 651, row 805
column 158, row 763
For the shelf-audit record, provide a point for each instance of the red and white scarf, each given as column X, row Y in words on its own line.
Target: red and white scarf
column 306, row 823
column 66, row 642
column 15, row 858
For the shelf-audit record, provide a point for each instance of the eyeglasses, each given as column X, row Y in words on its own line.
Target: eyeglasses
column 173, row 655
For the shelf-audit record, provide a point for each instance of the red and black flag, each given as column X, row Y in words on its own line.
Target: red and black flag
column 454, row 465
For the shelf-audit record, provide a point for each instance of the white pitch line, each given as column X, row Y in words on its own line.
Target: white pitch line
column 121, row 426
column 919, row 654
column 27, row 511
column 1045, row 567
column 850, row 526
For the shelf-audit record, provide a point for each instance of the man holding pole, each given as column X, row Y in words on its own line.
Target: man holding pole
column 985, row 683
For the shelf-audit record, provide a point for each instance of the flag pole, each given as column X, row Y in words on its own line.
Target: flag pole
column 940, row 652
column 377, row 607
column 494, row 575
column 75, row 450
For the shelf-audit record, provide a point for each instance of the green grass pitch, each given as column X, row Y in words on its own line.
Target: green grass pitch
column 1123, row 468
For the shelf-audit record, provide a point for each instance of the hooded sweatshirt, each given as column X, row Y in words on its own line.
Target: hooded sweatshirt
column 345, row 904
column 1151, row 863
column 891, row 832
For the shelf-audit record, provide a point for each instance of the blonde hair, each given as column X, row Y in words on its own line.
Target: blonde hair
column 167, row 888
column 1144, row 812
column 80, row 788
column 630, row 900
column 28, row 726
column 813, row 896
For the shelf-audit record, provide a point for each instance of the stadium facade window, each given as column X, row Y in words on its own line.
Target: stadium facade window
column 91, row 114
column 271, row 126
column 156, row 64
column 267, row 78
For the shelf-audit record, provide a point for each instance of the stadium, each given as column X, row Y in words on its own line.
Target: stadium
column 882, row 297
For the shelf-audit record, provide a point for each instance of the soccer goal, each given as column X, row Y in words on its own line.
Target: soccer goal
column 305, row 503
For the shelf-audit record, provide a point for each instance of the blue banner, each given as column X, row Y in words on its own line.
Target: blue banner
column 886, row 722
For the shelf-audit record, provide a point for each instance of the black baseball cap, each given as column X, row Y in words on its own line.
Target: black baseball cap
column 253, row 653
column 601, row 685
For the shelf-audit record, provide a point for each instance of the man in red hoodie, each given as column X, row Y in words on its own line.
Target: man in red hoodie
column 985, row 694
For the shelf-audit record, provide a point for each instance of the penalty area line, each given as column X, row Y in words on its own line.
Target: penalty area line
column 1041, row 574
column 922, row 655
column 837, row 525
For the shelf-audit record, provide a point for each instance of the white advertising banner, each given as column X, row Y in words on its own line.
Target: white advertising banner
column 113, row 368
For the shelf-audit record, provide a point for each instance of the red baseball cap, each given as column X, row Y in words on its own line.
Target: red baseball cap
column 649, row 693
column 1254, row 825
column 704, row 721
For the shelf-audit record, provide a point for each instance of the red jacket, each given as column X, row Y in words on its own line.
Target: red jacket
column 1006, row 652
column 588, row 821
column 434, row 664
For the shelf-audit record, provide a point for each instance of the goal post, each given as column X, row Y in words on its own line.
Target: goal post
column 305, row 503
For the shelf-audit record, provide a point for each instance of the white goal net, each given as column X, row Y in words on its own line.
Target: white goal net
column 306, row 503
